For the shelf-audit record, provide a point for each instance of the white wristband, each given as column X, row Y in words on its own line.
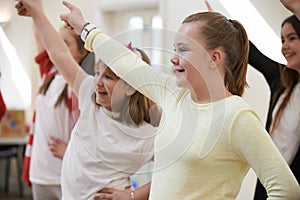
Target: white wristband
column 87, row 28
column 132, row 194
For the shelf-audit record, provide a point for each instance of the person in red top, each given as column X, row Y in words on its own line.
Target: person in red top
column 2, row 106
column 55, row 114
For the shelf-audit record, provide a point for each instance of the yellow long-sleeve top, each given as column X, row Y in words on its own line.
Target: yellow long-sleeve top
column 202, row 151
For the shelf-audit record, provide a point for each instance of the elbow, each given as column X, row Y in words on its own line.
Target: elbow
column 295, row 194
column 290, row 193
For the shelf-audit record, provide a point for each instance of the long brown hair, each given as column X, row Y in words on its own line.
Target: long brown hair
column 140, row 107
column 289, row 78
column 231, row 36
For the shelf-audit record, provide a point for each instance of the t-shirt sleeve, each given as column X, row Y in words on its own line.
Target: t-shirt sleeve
column 85, row 91
column 254, row 145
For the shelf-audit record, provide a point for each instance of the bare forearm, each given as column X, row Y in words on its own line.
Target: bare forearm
column 293, row 6
column 142, row 193
column 39, row 44
column 56, row 48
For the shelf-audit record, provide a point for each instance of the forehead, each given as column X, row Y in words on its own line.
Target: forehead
column 189, row 33
column 101, row 66
column 287, row 29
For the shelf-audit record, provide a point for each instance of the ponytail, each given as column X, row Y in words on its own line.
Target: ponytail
column 235, row 78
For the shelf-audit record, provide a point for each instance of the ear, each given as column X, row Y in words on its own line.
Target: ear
column 217, row 56
column 130, row 90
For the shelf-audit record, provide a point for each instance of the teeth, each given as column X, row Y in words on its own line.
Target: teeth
column 179, row 70
column 288, row 54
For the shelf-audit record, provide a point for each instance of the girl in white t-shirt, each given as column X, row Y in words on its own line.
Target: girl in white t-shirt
column 109, row 142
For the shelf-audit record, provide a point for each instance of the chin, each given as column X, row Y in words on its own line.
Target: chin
column 99, row 101
column 294, row 66
column 181, row 83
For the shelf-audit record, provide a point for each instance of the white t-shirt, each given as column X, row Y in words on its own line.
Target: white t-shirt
column 44, row 167
column 102, row 151
column 287, row 135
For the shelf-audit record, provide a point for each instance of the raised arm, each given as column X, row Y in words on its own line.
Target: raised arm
column 74, row 19
column 122, row 61
column 268, row 67
column 293, row 6
column 53, row 43
column 39, row 44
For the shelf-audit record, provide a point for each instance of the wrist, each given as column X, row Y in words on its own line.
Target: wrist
column 86, row 29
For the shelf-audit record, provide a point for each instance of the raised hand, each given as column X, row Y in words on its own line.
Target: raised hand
column 74, row 19
column 28, row 7
column 293, row 6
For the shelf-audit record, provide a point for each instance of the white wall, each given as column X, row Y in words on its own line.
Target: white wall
column 19, row 32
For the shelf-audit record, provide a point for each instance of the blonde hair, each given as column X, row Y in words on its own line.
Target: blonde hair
column 231, row 36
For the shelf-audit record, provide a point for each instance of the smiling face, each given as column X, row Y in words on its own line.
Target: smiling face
column 111, row 91
column 191, row 61
column 290, row 46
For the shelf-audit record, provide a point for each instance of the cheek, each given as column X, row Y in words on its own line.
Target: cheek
column 296, row 47
column 110, row 87
column 193, row 67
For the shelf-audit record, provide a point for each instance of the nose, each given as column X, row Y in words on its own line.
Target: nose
column 284, row 47
column 174, row 60
column 98, row 80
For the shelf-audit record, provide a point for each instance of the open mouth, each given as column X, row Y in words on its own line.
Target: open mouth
column 178, row 70
column 101, row 93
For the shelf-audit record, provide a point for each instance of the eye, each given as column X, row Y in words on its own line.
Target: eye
column 293, row 38
column 180, row 50
column 290, row 38
column 108, row 76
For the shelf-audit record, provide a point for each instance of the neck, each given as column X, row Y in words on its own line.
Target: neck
column 211, row 92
